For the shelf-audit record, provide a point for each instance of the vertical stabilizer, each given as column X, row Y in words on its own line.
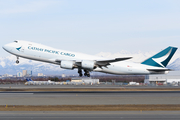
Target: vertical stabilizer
column 162, row 58
column 28, row 79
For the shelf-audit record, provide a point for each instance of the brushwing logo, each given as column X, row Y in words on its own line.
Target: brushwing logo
column 162, row 59
column 19, row 48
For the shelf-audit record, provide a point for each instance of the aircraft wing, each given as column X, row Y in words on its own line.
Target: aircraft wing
column 107, row 62
column 99, row 63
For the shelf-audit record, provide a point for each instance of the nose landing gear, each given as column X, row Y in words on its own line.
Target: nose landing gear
column 17, row 61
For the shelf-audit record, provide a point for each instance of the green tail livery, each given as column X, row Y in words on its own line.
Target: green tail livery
column 162, row 58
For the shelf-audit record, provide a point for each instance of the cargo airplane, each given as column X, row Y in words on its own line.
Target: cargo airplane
column 31, row 82
column 87, row 63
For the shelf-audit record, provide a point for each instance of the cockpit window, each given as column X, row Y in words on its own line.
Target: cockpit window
column 16, row 41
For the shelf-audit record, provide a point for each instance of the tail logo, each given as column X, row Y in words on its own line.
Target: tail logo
column 161, row 59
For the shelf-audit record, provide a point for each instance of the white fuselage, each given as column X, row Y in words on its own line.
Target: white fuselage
column 40, row 82
column 39, row 52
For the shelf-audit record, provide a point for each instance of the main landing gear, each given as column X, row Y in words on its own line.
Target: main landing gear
column 86, row 73
column 80, row 72
column 17, row 61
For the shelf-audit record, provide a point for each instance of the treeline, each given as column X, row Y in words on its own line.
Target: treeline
column 120, row 78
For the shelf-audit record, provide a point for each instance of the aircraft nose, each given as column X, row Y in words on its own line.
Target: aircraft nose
column 7, row 47
column 4, row 47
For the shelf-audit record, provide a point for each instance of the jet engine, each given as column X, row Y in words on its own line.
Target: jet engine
column 86, row 64
column 67, row 64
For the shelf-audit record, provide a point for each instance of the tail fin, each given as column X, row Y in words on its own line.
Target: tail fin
column 28, row 79
column 162, row 58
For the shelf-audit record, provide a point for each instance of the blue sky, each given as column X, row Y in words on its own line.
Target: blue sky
column 92, row 26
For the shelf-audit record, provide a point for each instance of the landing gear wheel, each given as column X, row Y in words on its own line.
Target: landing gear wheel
column 80, row 72
column 17, row 61
column 86, row 73
column 80, row 75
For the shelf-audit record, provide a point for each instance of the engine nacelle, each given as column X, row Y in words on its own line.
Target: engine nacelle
column 87, row 64
column 67, row 64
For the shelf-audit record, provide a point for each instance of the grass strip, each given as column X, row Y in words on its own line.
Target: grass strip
column 92, row 108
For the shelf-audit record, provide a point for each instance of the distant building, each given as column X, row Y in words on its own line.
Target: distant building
column 29, row 73
column 24, row 73
column 14, row 76
column 173, row 76
column 19, row 74
column 6, row 75
column 63, row 75
column 40, row 74
column 10, row 76
column 85, row 80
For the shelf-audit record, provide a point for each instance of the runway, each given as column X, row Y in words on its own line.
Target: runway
column 89, row 98
column 84, row 115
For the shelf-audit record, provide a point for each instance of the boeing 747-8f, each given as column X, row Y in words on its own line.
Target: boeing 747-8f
column 87, row 63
